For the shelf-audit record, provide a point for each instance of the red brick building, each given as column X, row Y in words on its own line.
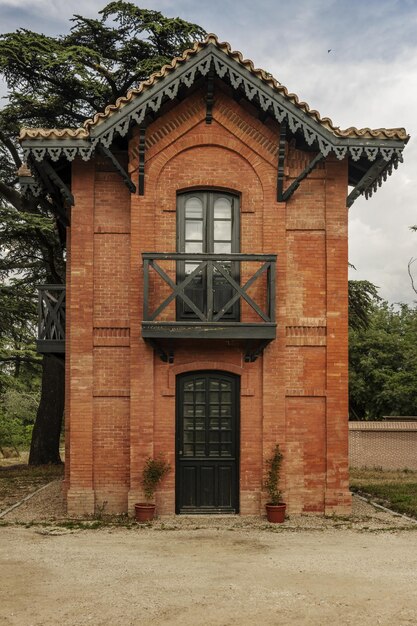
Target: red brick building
column 206, row 295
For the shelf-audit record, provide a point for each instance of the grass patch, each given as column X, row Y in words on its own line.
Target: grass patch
column 18, row 481
column 395, row 489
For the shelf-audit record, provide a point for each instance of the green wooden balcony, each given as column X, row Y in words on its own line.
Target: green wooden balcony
column 224, row 297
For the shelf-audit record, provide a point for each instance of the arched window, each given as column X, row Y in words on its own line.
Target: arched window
column 208, row 223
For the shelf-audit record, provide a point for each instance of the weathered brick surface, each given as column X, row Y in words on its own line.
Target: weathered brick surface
column 120, row 391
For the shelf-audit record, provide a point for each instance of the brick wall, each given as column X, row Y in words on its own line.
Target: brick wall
column 121, row 398
column 389, row 445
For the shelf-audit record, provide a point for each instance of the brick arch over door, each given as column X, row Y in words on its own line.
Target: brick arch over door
column 193, row 366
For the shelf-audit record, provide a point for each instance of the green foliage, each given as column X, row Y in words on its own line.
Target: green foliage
column 153, row 473
column 362, row 297
column 273, row 473
column 17, row 416
column 383, row 364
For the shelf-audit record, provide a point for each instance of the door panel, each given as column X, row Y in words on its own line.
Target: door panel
column 207, row 442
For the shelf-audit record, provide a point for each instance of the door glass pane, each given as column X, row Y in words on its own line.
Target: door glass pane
column 222, row 208
column 200, row 396
column 200, row 449
column 194, row 208
column 222, row 230
column 199, row 424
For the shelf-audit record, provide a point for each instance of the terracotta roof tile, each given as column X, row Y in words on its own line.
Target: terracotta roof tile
column 352, row 132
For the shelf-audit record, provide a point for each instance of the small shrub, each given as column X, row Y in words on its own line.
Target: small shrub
column 273, row 476
column 153, row 472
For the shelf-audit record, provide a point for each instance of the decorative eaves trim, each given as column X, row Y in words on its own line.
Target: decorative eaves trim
column 277, row 104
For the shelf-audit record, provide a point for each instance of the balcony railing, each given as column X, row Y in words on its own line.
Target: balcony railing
column 51, row 321
column 219, row 296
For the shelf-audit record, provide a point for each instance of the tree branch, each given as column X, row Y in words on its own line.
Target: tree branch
column 410, row 263
column 11, row 195
column 11, row 148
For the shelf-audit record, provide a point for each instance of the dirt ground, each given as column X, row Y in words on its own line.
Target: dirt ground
column 206, row 576
column 215, row 571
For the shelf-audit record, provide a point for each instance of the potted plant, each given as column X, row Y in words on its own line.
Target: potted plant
column 153, row 472
column 275, row 507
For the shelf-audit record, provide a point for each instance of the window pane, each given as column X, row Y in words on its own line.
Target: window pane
column 193, row 247
column 222, row 248
column 223, row 208
column 222, row 230
column 194, row 208
column 190, row 267
column 194, row 230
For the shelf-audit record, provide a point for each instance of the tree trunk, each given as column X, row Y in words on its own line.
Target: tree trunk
column 44, row 448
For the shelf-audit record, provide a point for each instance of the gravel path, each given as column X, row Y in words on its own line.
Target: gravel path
column 206, row 576
column 211, row 571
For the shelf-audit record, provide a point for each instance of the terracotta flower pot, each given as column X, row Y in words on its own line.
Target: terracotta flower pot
column 144, row 511
column 275, row 513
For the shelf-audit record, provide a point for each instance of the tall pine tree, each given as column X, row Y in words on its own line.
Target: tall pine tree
column 59, row 82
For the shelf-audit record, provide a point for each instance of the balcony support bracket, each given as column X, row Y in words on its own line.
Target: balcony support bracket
column 253, row 351
column 167, row 356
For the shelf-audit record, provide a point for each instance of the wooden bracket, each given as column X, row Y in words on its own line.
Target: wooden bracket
column 57, row 180
column 164, row 355
column 252, row 352
column 284, row 195
column 306, row 171
column 121, row 170
column 366, row 181
column 210, row 95
column 53, row 190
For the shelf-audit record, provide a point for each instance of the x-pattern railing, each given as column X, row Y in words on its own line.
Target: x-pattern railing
column 211, row 266
column 51, row 324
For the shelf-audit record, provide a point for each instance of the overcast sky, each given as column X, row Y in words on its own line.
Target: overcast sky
column 368, row 79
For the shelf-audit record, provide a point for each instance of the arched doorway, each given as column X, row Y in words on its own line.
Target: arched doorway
column 207, row 442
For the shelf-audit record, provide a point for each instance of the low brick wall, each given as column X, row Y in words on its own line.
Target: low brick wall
column 389, row 445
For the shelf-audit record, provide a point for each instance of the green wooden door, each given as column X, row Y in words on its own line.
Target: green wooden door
column 207, row 469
